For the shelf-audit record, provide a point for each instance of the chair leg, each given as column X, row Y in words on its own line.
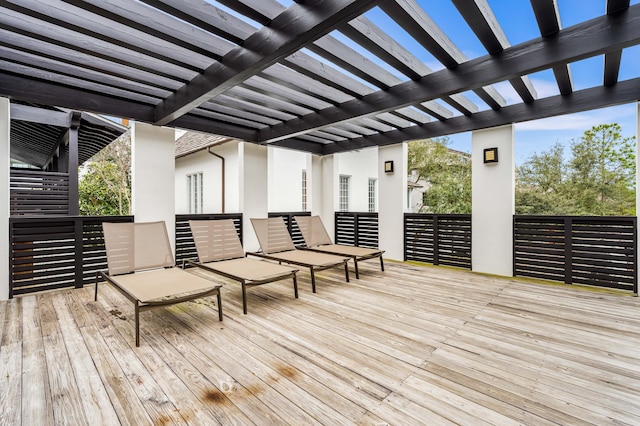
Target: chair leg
column 313, row 280
column 219, row 306
column 137, row 325
column 381, row 264
column 95, row 298
column 244, row 298
column 346, row 270
column 295, row 285
column 355, row 264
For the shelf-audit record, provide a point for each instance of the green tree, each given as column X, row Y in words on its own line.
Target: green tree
column 599, row 179
column 105, row 186
column 603, row 171
column 447, row 172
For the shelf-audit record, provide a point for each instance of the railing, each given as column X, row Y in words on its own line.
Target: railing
column 598, row 251
column 438, row 239
column 35, row 192
column 292, row 226
column 356, row 229
column 56, row 252
column 185, row 247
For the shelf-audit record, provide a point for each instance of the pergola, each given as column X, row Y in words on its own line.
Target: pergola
column 320, row 76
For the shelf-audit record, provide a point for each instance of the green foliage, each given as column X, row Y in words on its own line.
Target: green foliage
column 105, row 187
column 599, row 179
column 447, row 172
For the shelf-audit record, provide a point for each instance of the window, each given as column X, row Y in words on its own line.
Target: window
column 372, row 194
column 194, row 193
column 344, row 193
column 304, row 190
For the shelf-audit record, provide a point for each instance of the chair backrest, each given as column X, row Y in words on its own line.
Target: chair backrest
column 313, row 230
column 272, row 235
column 216, row 240
column 136, row 246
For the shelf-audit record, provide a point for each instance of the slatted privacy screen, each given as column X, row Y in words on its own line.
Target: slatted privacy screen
column 185, row 247
column 356, row 229
column 35, row 192
column 438, row 239
column 598, row 251
column 50, row 253
column 292, row 226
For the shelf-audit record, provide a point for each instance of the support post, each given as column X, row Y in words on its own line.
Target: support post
column 493, row 202
column 392, row 188
column 254, row 188
column 74, row 196
column 153, row 176
column 5, row 123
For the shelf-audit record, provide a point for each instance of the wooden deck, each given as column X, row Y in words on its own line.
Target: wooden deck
column 413, row 345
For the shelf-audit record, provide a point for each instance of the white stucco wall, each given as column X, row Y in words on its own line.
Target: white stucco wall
column 285, row 179
column 211, row 168
column 5, row 123
column 360, row 165
column 493, row 202
column 152, row 175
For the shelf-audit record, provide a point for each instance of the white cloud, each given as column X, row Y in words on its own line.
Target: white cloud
column 581, row 121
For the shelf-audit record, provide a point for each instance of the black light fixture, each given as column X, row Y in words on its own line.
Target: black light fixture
column 388, row 166
column 490, row 155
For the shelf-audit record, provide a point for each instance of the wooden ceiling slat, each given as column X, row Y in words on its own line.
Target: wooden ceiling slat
column 267, row 101
column 82, row 21
column 63, row 55
column 40, row 115
column 286, row 94
column 154, row 22
column 42, row 30
column 252, row 107
column 571, row 44
column 65, row 68
column 287, row 33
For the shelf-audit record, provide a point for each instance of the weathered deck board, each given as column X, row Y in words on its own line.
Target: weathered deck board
column 411, row 345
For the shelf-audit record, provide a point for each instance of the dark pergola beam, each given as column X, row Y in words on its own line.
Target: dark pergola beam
column 583, row 100
column 40, row 115
column 578, row 42
column 204, row 124
column 290, row 31
column 548, row 18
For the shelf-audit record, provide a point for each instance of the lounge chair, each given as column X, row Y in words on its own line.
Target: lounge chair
column 276, row 244
column 220, row 251
column 317, row 238
column 141, row 267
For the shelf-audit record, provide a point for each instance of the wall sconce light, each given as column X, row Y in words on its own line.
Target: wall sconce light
column 490, row 155
column 388, row 166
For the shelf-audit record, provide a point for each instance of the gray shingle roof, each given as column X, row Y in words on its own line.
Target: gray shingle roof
column 192, row 142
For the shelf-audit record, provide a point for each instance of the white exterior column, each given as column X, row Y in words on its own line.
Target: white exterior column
column 392, row 204
column 254, row 188
column 5, row 123
column 493, row 202
column 330, row 193
column 314, row 184
column 153, row 175
column 637, row 175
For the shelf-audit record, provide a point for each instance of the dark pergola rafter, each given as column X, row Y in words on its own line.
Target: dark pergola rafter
column 575, row 43
column 286, row 34
column 322, row 76
column 583, row 100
